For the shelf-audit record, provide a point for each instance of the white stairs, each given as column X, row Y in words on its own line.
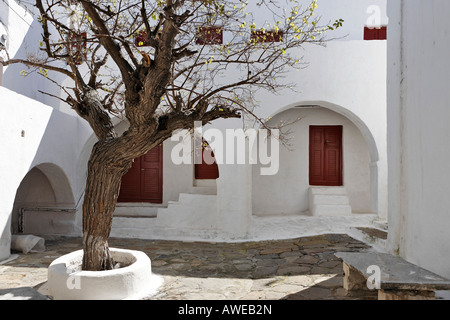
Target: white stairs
column 190, row 211
column 328, row 201
column 190, row 215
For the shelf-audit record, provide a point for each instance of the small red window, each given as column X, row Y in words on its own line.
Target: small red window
column 79, row 52
column 209, row 35
column 375, row 33
column 141, row 39
column 266, row 36
column 206, row 170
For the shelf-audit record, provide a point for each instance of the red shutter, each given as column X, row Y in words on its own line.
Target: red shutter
column 79, row 51
column 151, row 175
column 130, row 189
column 140, row 39
column 209, row 35
column 143, row 182
column 325, row 156
column 375, row 33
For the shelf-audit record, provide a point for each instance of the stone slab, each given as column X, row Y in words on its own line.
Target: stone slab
column 396, row 273
column 21, row 293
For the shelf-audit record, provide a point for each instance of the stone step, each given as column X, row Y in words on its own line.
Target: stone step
column 191, row 211
column 374, row 236
column 136, row 210
column 329, row 199
column 328, row 190
column 195, row 198
column 133, row 222
column 330, row 210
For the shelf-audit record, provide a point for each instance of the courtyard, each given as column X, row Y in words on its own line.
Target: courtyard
column 296, row 269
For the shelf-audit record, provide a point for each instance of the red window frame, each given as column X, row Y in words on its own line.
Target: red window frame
column 375, row 33
column 141, row 39
column 79, row 47
column 209, row 35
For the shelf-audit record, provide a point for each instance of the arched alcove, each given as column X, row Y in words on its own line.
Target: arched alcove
column 361, row 157
column 44, row 202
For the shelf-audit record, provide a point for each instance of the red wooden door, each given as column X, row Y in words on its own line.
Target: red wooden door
column 143, row 182
column 325, row 155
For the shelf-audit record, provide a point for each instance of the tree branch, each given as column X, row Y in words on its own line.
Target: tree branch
column 40, row 65
column 109, row 44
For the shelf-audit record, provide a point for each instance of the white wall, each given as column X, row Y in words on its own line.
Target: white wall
column 34, row 134
column 348, row 77
column 418, row 132
column 24, row 36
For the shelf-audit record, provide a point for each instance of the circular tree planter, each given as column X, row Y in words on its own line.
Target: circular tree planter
column 133, row 280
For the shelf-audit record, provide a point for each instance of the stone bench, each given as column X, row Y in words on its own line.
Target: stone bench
column 393, row 277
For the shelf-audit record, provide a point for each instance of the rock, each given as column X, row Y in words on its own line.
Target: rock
column 292, row 270
column 264, row 271
column 308, row 259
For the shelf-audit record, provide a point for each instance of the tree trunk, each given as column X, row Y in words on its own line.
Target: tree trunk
column 102, row 190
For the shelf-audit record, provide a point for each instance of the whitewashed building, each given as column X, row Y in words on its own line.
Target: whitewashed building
column 418, row 131
column 341, row 103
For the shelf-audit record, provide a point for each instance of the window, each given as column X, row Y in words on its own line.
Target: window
column 375, row 33
column 79, row 47
column 141, row 39
column 204, row 170
column 266, row 36
column 209, row 35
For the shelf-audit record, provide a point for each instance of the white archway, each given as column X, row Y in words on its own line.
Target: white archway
column 375, row 187
column 42, row 199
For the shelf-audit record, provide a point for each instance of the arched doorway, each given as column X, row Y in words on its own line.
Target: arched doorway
column 359, row 154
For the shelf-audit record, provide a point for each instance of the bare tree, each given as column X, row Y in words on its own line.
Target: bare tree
column 161, row 65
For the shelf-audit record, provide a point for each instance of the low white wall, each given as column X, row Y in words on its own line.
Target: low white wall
column 418, row 132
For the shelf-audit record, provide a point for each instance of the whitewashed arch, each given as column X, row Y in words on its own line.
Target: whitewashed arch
column 365, row 132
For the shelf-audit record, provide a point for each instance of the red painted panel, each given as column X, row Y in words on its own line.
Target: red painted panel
column 130, row 187
column 151, row 176
column 205, row 170
column 325, row 156
column 375, row 33
column 79, row 51
column 143, row 182
column 209, row 35
column 140, row 39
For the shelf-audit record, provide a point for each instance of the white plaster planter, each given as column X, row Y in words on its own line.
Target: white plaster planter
column 66, row 280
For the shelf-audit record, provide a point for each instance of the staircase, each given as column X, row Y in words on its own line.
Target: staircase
column 328, row 201
column 191, row 215
column 190, row 211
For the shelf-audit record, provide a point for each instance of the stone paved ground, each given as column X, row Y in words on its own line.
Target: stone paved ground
column 297, row 269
